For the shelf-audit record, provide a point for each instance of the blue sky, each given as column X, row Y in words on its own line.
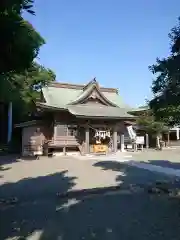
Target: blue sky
column 112, row 40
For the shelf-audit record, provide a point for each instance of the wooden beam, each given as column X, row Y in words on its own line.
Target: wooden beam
column 115, row 140
column 9, row 134
column 64, row 150
column 122, row 143
column 87, row 139
column 168, row 139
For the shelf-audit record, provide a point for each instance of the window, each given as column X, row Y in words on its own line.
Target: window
column 61, row 130
column 65, row 130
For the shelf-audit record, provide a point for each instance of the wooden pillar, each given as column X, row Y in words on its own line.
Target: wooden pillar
column 64, row 151
column 115, row 140
column 168, row 139
column 87, row 140
column 147, row 141
column 122, row 143
column 9, row 134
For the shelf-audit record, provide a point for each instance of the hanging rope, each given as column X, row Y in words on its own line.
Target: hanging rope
column 101, row 133
column 97, row 129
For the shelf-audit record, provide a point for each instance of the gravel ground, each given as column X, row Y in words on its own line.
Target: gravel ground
column 171, row 155
column 40, row 214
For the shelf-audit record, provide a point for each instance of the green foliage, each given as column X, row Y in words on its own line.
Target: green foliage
column 166, row 86
column 9, row 7
column 23, row 89
column 148, row 123
column 19, row 42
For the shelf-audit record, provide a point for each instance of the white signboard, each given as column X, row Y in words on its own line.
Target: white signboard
column 140, row 140
column 131, row 132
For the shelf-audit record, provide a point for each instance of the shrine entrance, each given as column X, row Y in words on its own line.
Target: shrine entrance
column 101, row 139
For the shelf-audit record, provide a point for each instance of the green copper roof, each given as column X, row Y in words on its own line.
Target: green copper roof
column 61, row 97
column 71, row 97
column 99, row 111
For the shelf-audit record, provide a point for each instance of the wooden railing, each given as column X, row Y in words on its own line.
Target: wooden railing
column 64, row 141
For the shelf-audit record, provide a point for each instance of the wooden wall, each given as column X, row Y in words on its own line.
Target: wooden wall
column 65, row 135
column 29, row 138
column 66, row 130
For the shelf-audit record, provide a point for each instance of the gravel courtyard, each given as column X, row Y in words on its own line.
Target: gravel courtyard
column 171, row 155
column 40, row 213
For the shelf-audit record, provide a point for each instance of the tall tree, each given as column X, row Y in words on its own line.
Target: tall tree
column 166, row 86
column 23, row 89
column 19, row 42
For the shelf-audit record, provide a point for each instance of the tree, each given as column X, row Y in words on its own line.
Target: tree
column 166, row 86
column 23, row 89
column 19, row 42
column 148, row 123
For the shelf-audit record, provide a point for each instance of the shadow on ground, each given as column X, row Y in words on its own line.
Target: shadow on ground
column 8, row 159
column 27, row 205
column 112, row 215
column 131, row 174
column 164, row 163
column 13, row 158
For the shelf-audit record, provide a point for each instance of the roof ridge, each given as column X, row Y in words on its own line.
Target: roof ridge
column 80, row 86
column 67, row 85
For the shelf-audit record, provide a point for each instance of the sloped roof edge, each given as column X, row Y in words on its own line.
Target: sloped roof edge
column 27, row 123
column 48, row 106
column 99, row 112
